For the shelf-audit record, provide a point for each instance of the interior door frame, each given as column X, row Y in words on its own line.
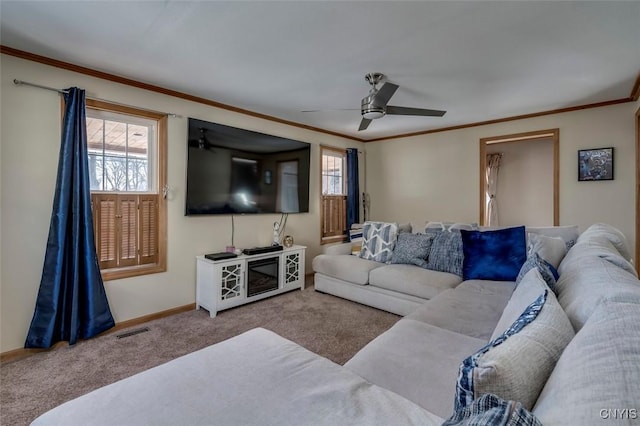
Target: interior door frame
column 554, row 135
column 638, row 188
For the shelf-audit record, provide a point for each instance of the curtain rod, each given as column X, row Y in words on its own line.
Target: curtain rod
column 61, row 91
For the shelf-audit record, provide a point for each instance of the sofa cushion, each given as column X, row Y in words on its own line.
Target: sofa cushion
column 516, row 365
column 587, row 282
column 413, row 280
column 569, row 233
column 473, row 308
column 412, row 249
column 547, row 271
column 551, row 249
column 596, row 246
column 598, row 372
column 446, row 253
column 417, row 361
column 256, row 378
column 345, row 267
column 493, row 255
column 378, row 240
column 490, row 410
column 612, row 234
column 339, row 248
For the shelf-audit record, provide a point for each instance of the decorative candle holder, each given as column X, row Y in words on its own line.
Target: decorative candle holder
column 287, row 241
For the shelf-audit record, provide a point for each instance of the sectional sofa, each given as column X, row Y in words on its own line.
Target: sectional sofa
column 544, row 350
column 401, row 288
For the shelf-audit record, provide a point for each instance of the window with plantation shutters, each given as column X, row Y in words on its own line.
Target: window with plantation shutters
column 148, row 228
column 126, row 229
column 126, row 150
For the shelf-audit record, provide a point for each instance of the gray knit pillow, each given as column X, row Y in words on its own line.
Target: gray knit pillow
column 446, row 253
column 412, row 249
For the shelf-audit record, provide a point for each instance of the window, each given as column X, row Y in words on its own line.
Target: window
column 333, row 168
column 333, row 194
column 127, row 169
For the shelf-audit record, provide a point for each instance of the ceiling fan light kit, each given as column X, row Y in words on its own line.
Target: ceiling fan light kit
column 372, row 112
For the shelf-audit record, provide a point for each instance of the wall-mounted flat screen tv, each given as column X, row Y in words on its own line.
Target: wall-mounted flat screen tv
column 231, row 170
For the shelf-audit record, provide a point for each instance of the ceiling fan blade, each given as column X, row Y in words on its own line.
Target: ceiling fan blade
column 385, row 93
column 396, row 110
column 331, row 109
column 364, row 124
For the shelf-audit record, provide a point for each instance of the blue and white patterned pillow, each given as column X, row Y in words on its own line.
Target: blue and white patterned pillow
column 378, row 241
column 490, row 410
column 412, row 249
column 547, row 271
column 465, row 386
column 446, row 253
column 435, row 227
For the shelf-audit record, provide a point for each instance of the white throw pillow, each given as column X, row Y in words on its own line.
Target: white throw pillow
column 569, row 233
column 516, row 365
column 530, row 287
column 551, row 249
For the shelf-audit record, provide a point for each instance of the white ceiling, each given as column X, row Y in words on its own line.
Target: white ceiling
column 478, row 60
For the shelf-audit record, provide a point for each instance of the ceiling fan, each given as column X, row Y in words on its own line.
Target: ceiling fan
column 375, row 106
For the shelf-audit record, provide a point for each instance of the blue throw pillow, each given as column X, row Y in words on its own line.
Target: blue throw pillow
column 412, row 249
column 493, row 255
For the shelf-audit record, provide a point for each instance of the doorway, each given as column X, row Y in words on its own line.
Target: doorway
column 529, row 159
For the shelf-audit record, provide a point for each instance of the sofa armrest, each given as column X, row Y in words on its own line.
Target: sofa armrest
column 343, row 248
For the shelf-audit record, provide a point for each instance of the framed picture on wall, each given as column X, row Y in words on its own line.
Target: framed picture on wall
column 595, row 164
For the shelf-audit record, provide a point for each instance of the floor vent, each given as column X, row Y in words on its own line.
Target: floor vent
column 132, row 332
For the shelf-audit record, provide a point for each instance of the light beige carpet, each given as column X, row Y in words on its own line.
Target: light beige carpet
column 327, row 325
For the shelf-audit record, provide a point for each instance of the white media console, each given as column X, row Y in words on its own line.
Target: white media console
column 223, row 284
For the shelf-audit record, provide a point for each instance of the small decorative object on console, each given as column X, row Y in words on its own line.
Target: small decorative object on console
column 276, row 234
column 287, row 241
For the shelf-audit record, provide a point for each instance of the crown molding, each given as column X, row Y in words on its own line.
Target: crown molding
column 633, row 96
column 162, row 90
column 505, row 119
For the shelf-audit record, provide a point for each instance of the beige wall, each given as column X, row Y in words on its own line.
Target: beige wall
column 30, row 140
column 435, row 176
column 432, row 177
column 524, row 193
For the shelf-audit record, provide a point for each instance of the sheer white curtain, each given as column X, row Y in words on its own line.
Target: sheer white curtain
column 493, row 165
